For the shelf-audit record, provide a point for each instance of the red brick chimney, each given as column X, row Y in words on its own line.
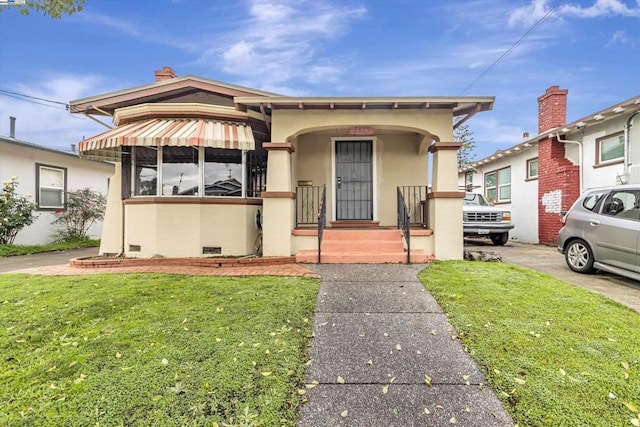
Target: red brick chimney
column 165, row 74
column 552, row 109
column 558, row 178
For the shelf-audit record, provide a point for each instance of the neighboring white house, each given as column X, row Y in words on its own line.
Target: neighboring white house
column 541, row 177
column 46, row 175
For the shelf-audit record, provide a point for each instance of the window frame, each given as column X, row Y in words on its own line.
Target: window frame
column 616, row 160
column 63, row 206
column 529, row 162
column 498, row 185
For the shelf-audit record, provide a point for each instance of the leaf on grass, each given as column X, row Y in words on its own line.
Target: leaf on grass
column 520, row 381
column 265, row 374
column 156, row 398
column 164, row 362
column 562, row 372
column 309, row 362
column 385, row 389
column 635, row 422
column 75, row 362
column 344, row 413
column 612, row 396
column 218, row 339
column 118, row 355
column 340, row 380
column 631, row 406
column 625, row 365
column 301, row 391
column 497, row 372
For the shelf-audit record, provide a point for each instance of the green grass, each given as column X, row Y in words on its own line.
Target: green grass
column 152, row 349
column 555, row 354
column 11, row 250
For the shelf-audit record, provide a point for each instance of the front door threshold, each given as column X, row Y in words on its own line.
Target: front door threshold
column 355, row 224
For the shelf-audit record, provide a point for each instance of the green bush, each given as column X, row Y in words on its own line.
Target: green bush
column 16, row 211
column 83, row 208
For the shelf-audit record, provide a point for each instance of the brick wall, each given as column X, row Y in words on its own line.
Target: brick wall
column 558, row 178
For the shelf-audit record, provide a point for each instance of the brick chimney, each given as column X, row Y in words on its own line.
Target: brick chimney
column 552, row 109
column 165, row 74
column 558, row 178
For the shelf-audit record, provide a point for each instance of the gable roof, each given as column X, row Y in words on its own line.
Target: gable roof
column 107, row 103
column 631, row 105
column 31, row 145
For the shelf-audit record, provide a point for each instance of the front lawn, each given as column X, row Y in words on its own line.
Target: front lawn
column 152, row 349
column 12, row 250
column 555, row 354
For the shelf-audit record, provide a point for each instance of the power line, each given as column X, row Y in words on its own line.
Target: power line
column 514, row 46
column 20, row 96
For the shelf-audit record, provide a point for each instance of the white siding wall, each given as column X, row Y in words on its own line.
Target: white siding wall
column 524, row 193
column 20, row 161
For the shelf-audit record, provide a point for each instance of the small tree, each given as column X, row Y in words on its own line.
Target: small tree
column 53, row 8
column 466, row 152
column 16, row 212
column 83, row 208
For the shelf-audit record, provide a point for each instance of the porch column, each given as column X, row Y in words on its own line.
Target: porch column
column 445, row 202
column 112, row 240
column 278, row 201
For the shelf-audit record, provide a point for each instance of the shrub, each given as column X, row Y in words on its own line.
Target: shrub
column 16, row 211
column 83, row 208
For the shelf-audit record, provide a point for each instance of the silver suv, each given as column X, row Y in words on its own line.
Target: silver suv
column 601, row 231
column 480, row 219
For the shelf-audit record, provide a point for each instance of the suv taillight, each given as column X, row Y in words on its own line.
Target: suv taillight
column 563, row 221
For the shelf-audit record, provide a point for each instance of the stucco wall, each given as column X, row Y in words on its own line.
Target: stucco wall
column 524, row 194
column 183, row 229
column 20, row 161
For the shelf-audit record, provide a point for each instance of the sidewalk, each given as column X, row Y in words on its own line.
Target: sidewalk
column 378, row 336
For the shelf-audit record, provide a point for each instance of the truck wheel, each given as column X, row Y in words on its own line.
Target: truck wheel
column 499, row 239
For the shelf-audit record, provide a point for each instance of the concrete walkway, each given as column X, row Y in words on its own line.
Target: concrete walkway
column 378, row 336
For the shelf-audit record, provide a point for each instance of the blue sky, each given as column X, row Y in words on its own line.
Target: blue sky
column 325, row 48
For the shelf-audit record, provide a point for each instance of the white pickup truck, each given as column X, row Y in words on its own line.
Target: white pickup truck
column 480, row 219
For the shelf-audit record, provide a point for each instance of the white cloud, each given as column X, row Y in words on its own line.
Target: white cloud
column 533, row 12
column 38, row 124
column 621, row 37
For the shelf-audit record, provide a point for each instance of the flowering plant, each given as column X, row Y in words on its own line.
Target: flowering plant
column 83, row 208
column 16, row 211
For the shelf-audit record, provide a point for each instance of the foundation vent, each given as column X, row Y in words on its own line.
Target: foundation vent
column 212, row 250
column 134, row 248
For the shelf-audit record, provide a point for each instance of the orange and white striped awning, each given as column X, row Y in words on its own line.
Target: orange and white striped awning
column 172, row 132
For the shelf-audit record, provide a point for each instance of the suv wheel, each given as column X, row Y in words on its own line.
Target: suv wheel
column 499, row 239
column 579, row 257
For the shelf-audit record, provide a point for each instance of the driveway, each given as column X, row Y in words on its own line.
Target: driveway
column 548, row 260
column 20, row 262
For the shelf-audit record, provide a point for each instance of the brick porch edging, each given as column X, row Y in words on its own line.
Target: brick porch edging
column 180, row 262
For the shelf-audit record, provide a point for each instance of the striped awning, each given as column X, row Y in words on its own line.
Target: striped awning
column 168, row 132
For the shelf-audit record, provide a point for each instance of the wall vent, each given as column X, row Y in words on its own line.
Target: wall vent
column 212, row 250
column 134, row 248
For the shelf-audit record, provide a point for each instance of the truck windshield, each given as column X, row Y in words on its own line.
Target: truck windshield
column 475, row 200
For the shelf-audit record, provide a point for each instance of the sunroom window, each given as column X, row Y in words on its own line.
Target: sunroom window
column 222, row 172
column 180, row 171
column 146, row 171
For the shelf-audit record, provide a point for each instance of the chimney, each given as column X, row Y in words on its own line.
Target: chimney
column 165, row 74
column 552, row 109
column 12, row 127
column 73, row 148
column 525, row 136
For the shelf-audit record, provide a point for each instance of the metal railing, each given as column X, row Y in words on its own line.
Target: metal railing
column 415, row 197
column 404, row 223
column 322, row 220
column 307, row 205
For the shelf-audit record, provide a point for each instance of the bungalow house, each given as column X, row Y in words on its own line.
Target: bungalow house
column 540, row 178
column 207, row 168
column 46, row 175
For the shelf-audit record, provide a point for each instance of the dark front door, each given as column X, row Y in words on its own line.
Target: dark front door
column 354, row 180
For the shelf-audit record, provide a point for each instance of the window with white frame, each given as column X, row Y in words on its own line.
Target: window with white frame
column 51, row 183
column 610, row 148
column 532, row 168
column 497, row 185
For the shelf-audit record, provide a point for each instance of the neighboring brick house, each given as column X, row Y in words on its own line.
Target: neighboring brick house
column 46, row 176
column 541, row 177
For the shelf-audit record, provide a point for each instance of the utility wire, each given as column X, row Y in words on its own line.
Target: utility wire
column 22, row 95
column 514, row 46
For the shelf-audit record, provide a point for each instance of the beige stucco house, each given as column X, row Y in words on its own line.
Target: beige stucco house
column 200, row 161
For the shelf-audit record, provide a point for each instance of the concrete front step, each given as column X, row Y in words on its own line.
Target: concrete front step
column 311, row 257
column 358, row 246
column 361, row 234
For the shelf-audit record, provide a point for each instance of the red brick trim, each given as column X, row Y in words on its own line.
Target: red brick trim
column 278, row 195
column 182, row 262
column 269, row 146
column 305, row 232
column 446, row 195
column 191, row 201
column 437, row 146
